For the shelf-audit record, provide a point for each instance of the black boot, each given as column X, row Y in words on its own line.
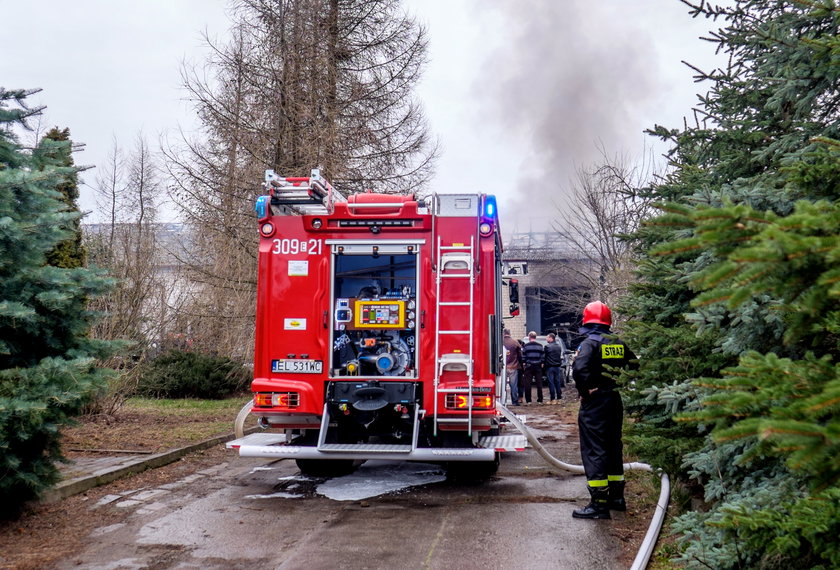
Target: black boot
column 616, row 494
column 597, row 508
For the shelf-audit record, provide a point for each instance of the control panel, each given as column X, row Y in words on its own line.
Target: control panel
column 380, row 314
column 367, row 314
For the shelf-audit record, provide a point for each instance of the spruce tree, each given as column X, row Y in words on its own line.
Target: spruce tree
column 47, row 361
column 50, row 150
column 745, row 256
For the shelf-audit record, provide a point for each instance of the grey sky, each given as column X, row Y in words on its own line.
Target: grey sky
column 518, row 92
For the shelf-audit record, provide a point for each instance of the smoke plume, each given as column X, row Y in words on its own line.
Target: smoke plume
column 572, row 80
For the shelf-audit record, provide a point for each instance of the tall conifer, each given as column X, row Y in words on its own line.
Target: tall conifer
column 47, row 360
column 738, row 309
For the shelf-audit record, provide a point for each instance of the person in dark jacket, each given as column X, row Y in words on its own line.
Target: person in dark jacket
column 553, row 369
column 532, row 357
column 513, row 362
column 601, row 411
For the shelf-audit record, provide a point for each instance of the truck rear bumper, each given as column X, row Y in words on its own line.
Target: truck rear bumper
column 272, row 446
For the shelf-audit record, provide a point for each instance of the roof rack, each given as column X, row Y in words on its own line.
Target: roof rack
column 303, row 195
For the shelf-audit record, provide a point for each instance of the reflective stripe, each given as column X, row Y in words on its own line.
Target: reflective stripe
column 615, row 477
column 598, row 483
column 612, row 351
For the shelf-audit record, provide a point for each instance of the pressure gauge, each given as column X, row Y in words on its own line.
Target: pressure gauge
column 411, row 305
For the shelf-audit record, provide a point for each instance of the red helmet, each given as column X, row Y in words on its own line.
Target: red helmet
column 597, row 312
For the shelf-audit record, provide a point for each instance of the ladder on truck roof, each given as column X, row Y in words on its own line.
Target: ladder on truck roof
column 455, row 261
column 303, row 195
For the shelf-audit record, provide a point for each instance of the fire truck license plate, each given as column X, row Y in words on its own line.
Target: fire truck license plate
column 296, row 365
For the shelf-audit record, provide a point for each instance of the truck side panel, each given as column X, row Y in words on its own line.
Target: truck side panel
column 292, row 303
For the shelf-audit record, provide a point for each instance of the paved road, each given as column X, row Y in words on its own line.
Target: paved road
column 248, row 513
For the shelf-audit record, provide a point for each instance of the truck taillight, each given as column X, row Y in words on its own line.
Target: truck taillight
column 460, row 402
column 276, row 400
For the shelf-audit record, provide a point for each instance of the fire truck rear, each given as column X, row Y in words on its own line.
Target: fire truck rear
column 378, row 331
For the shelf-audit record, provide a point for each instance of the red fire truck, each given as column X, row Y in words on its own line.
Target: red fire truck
column 379, row 329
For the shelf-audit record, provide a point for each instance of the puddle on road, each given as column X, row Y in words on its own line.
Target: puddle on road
column 372, row 479
column 380, row 477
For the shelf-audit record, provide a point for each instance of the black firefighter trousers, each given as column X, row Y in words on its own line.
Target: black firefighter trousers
column 599, row 422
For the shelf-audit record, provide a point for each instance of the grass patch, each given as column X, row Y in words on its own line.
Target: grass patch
column 155, row 425
column 187, row 406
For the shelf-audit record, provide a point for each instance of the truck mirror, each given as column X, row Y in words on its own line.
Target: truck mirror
column 513, row 291
column 514, row 309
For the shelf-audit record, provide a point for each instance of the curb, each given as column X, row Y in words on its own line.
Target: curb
column 76, row 485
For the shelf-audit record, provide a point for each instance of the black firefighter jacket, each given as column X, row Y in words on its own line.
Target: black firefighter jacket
column 598, row 352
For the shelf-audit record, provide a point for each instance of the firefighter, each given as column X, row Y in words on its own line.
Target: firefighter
column 601, row 410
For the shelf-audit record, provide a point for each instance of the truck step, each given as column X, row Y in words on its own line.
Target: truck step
column 364, row 448
column 504, row 442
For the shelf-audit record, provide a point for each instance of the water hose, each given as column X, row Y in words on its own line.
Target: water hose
column 646, row 549
column 239, row 423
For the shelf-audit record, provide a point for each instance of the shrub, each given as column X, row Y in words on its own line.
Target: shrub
column 184, row 374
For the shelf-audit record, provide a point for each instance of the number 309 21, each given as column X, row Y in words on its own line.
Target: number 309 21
column 295, row 246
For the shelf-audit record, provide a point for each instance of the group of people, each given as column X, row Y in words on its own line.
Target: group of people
column 529, row 362
column 598, row 357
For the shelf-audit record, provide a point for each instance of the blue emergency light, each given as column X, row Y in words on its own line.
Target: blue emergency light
column 488, row 215
column 261, row 207
column 489, row 206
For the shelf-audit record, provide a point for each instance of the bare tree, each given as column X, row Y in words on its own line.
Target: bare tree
column 606, row 206
column 127, row 247
column 215, row 181
column 144, row 190
column 300, row 84
column 108, row 188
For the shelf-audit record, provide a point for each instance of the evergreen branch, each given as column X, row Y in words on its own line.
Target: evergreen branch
column 817, row 7
column 681, row 246
column 707, row 299
column 790, row 431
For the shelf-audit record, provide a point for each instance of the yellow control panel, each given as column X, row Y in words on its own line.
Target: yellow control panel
column 379, row 314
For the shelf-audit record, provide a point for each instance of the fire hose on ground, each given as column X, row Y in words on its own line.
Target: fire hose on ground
column 646, row 549
column 239, row 423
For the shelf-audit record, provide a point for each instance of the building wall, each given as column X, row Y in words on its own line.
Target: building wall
column 544, row 266
column 518, row 324
column 533, row 313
